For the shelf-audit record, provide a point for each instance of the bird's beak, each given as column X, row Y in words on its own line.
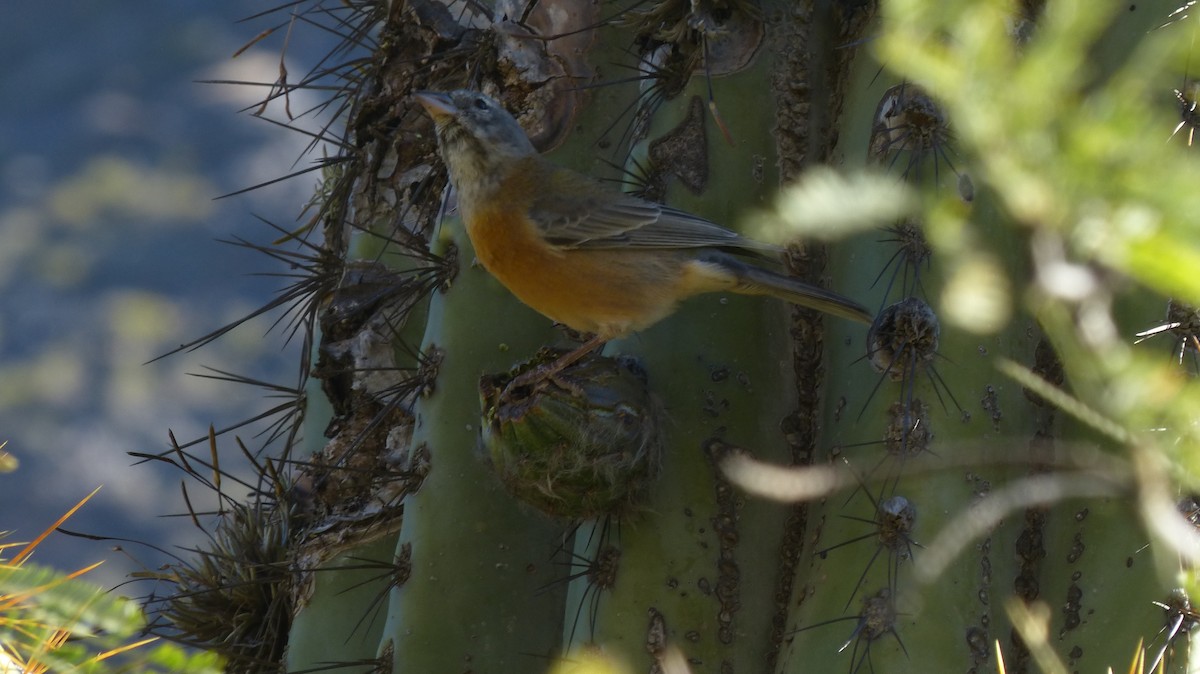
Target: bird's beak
column 438, row 105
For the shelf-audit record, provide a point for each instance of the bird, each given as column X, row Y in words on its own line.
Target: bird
column 581, row 252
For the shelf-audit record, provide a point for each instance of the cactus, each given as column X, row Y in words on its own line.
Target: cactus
column 974, row 473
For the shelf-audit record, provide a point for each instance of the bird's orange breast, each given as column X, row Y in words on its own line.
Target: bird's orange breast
column 565, row 286
column 608, row 291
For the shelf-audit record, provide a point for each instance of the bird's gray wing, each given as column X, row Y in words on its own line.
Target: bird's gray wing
column 610, row 219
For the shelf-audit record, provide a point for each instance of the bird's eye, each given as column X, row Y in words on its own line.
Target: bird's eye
column 481, row 103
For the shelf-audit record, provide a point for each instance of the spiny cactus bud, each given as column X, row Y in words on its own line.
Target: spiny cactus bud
column 903, row 340
column 583, row 443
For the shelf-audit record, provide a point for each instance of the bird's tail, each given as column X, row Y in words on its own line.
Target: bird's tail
column 753, row 280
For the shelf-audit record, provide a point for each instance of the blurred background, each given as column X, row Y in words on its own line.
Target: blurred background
column 112, row 156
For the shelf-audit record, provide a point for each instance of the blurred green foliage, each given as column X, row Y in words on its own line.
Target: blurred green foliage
column 1071, row 132
column 56, row 622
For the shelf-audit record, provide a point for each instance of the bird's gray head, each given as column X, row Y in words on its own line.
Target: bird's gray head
column 475, row 133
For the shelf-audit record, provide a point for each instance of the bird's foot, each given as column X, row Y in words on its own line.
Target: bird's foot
column 533, row 380
column 553, row 372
